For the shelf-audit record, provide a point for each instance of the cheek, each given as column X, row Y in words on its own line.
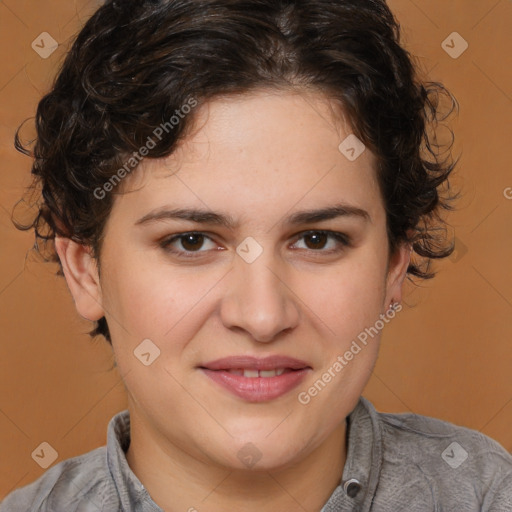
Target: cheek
column 157, row 301
column 348, row 298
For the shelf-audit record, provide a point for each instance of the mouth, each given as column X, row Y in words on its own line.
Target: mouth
column 257, row 379
column 253, row 373
column 270, row 363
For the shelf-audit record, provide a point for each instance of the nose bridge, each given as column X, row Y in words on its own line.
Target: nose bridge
column 259, row 302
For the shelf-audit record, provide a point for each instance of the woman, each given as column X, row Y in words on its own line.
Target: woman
column 236, row 192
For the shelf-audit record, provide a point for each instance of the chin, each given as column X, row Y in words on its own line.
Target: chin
column 259, row 454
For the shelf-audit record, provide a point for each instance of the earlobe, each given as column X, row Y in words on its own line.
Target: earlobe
column 81, row 273
column 397, row 272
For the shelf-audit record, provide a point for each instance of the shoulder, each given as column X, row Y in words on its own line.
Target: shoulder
column 448, row 461
column 452, row 444
column 78, row 484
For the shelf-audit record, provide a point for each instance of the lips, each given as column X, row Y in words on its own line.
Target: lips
column 257, row 379
column 255, row 363
column 251, row 374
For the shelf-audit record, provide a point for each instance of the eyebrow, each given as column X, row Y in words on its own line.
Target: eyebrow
column 218, row 219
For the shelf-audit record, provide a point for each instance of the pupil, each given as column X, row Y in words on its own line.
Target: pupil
column 319, row 240
column 191, row 242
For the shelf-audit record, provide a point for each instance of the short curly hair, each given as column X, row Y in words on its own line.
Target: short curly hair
column 135, row 64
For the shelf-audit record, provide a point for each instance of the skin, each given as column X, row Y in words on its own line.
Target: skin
column 259, row 158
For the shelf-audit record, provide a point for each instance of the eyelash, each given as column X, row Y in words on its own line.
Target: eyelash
column 341, row 238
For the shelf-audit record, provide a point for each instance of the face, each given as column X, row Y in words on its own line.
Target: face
column 217, row 256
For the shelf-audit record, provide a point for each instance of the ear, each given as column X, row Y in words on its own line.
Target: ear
column 81, row 272
column 397, row 270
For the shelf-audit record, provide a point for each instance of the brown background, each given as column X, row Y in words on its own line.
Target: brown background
column 449, row 352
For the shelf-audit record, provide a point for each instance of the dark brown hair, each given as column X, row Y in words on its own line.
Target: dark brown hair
column 136, row 63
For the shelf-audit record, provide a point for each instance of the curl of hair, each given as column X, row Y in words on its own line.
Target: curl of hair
column 135, row 63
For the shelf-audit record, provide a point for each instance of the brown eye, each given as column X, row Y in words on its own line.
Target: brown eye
column 188, row 244
column 316, row 240
column 192, row 241
column 323, row 242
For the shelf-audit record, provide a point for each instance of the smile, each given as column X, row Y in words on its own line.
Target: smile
column 257, row 380
column 251, row 374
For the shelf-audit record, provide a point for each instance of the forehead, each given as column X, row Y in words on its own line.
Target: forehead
column 267, row 146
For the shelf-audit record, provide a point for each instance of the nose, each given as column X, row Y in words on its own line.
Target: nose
column 259, row 301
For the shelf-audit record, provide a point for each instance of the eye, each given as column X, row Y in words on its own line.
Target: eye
column 186, row 244
column 319, row 241
column 194, row 244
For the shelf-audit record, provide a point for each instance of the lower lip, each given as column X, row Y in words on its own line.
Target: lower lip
column 257, row 389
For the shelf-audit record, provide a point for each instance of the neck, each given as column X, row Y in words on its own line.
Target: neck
column 178, row 481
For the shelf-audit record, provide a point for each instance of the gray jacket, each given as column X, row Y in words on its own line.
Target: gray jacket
column 395, row 462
